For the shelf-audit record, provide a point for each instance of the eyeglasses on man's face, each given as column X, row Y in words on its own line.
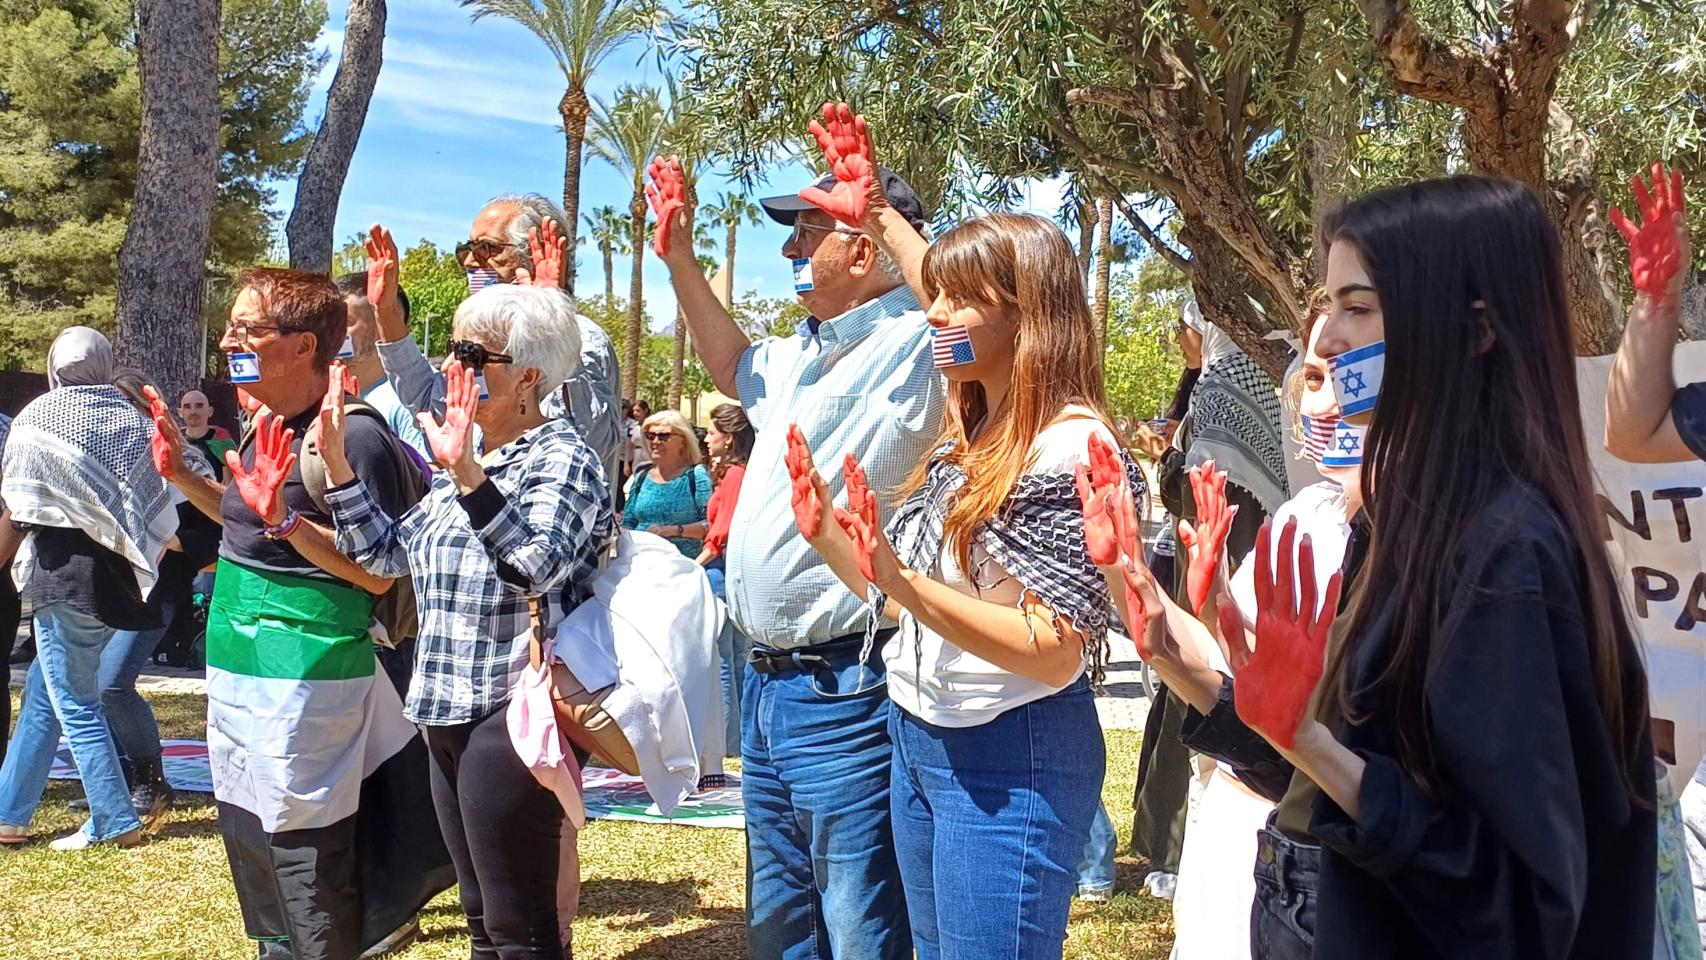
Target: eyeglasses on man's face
column 483, row 250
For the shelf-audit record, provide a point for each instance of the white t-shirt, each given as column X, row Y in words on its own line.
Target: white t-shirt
column 1320, row 512
column 936, row 681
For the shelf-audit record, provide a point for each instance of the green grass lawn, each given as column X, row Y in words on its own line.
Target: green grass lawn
column 648, row 891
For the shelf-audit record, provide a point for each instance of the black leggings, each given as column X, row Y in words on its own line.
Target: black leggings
column 505, row 834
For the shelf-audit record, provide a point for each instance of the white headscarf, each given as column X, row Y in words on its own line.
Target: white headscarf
column 80, row 356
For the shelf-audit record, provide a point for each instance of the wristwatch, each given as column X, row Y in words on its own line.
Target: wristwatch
column 284, row 528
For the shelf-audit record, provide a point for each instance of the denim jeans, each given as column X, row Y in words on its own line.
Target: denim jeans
column 133, row 726
column 731, row 652
column 1096, row 872
column 991, row 822
column 1282, row 920
column 64, row 690
column 822, row 880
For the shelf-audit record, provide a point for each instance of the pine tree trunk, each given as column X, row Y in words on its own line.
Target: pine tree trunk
column 1104, row 264
column 636, row 308
column 729, row 269
column 678, row 365
column 309, row 230
column 1086, row 238
column 163, row 262
column 574, row 108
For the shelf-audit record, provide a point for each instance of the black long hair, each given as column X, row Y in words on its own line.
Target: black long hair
column 1480, row 391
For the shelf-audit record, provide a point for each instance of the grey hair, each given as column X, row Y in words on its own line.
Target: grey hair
column 532, row 210
column 536, row 325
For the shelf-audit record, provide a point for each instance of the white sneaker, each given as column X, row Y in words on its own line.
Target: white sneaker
column 1161, row 885
column 81, row 841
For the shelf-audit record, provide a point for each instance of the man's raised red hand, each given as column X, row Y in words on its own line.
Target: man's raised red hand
column 261, row 485
column 382, row 266
column 846, row 146
column 547, row 249
column 667, row 193
column 1658, row 247
column 1278, row 678
column 808, row 507
column 1205, row 542
column 166, row 447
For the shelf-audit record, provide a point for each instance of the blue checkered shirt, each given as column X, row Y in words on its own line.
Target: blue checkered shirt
column 862, row 383
column 472, row 585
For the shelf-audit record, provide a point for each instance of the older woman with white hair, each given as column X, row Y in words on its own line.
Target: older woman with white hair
column 497, row 535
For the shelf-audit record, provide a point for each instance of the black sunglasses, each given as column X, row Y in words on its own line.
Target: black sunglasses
column 663, row 437
column 474, row 355
column 483, row 250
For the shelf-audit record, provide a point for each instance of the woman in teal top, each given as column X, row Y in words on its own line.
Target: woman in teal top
column 670, row 499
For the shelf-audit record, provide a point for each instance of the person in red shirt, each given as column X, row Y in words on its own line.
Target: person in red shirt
column 729, row 441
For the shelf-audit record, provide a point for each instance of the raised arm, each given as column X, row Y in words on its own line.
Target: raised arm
column 418, row 385
column 1638, row 423
column 857, row 199
column 717, row 339
column 364, row 533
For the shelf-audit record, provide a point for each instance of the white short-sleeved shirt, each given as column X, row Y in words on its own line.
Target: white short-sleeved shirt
column 934, row 680
column 1320, row 512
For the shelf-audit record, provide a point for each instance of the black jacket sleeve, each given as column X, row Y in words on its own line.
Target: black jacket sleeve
column 1221, row 735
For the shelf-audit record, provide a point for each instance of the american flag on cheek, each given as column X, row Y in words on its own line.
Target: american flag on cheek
column 1317, row 435
column 951, row 346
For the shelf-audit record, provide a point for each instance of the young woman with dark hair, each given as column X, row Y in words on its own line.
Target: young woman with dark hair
column 1474, row 767
column 729, row 442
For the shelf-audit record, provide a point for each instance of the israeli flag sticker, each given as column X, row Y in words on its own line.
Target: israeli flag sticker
column 347, row 350
column 480, row 381
column 802, row 276
column 1347, row 446
column 245, row 368
column 1357, row 376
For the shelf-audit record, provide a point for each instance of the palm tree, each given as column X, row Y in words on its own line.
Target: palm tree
column 731, row 210
column 579, row 34
column 609, row 233
column 1104, row 264
column 626, row 133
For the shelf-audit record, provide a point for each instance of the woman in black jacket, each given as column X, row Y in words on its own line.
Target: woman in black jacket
column 1470, row 738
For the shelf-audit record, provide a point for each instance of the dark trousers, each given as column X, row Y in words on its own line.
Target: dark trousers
column 297, row 889
column 1282, row 919
column 504, row 831
column 1162, row 795
column 11, row 608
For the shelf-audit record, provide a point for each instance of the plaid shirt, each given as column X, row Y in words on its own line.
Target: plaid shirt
column 472, row 585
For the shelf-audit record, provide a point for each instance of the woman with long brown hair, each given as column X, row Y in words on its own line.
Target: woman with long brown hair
column 1474, row 764
column 729, row 442
column 998, row 756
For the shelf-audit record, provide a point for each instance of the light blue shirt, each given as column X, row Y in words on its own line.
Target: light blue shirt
column 383, row 398
column 862, row 383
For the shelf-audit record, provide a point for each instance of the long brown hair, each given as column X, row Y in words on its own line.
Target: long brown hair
column 1025, row 264
column 1482, row 393
column 730, row 418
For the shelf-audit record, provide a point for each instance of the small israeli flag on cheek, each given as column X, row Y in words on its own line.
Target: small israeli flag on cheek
column 1346, row 447
column 1357, row 376
column 347, row 350
column 802, row 276
column 480, row 381
column 245, row 368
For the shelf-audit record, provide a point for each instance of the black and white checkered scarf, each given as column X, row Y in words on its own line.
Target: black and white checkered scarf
column 1037, row 538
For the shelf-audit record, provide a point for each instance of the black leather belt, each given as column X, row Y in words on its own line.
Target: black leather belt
column 827, row 654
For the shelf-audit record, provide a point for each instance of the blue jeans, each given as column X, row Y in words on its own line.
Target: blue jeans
column 731, row 652
column 990, row 824
column 822, row 880
column 1096, row 872
column 64, row 689
column 132, row 721
column 1282, row 918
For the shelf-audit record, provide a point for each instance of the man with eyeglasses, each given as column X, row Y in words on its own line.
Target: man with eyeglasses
column 857, row 378
column 500, row 248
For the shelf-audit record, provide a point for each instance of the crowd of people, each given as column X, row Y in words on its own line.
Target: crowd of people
column 1404, row 713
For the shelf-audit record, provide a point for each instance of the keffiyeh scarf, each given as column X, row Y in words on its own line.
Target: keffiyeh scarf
column 78, row 458
column 1234, row 419
column 1037, row 538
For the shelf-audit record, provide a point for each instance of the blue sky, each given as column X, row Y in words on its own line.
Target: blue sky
column 467, row 110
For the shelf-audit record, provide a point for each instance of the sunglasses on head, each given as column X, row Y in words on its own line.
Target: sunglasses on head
column 474, row 355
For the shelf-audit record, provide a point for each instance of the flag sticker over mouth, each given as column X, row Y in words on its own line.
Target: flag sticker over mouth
column 1317, row 434
column 951, row 346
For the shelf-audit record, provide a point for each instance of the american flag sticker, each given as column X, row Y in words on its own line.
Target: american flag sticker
column 1357, row 376
column 480, row 278
column 245, row 368
column 1317, row 434
column 951, row 346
